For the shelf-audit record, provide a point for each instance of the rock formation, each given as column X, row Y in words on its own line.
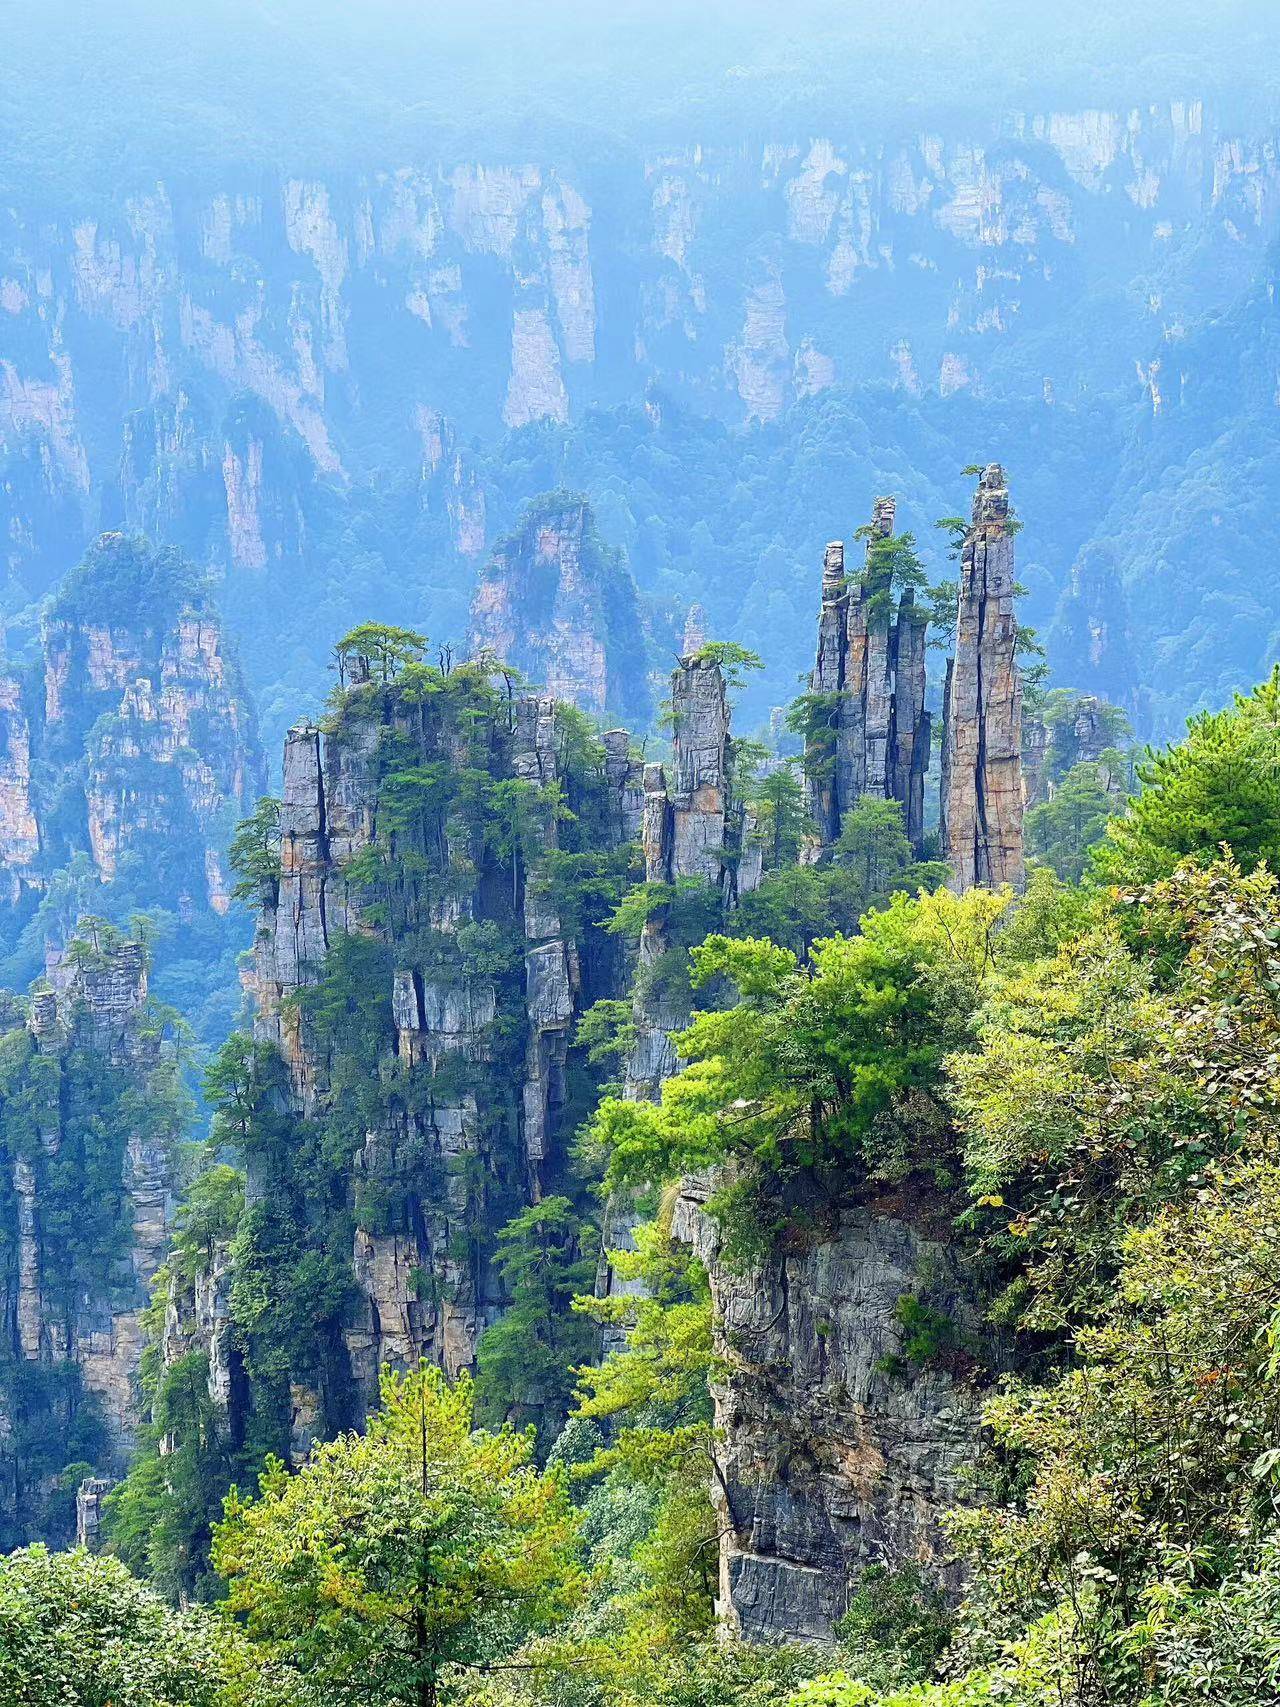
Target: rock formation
column 870, row 674
column 556, row 603
column 90, row 1124
column 693, row 826
column 1070, row 729
column 129, row 740
column 19, row 828
column 834, row 1451
column 473, row 1058
column 981, row 829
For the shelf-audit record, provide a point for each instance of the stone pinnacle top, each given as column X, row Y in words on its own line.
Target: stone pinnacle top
column 833, row 567
column 991, row 500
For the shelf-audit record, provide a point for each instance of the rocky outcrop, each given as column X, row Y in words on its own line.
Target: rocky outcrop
column 90, row 1124
column 834, row 1450
column 693, row 826
column 981, row 830
column 474, row 1060
column 1035, row 751
column 556, row 603
column 19, row 828
column 1069, row 729
column 870, row 676
column 130, row 739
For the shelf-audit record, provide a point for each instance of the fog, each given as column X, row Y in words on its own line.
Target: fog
column 127, row 87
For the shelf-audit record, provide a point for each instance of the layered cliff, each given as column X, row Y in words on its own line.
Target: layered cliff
column 129, row 742
column 92, row 1114
column 981, row 826
column 871, row 731
column 836, row 1450
column 421, row 956
column 556, row 603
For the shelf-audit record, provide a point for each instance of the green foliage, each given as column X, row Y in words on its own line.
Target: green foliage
column 395, row 1560
column 831, row 1066
column 55, row 1435
column 545, row 1256
column 159, row 1519
column 254, row 854
column 893, row 566
column 944, row 599
column 815, row 718
column 872, row 848
column 1061, row 830
column 122, row 579
column 732, row 660
column 897, row 1625
column 377, row 651
column 1219, row 785
column 1099, row 1093
column 688, row 907
column 647, row 1513
column 782, row 820
column 79, row 1629
column 1061, row 710
column 607, row 1030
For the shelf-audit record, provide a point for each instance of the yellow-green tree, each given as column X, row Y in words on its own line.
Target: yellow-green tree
column 394, row 1564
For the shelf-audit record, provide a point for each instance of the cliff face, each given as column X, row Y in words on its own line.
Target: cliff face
column 981, row 833
column 129, row 740
column 834, row 1451
column 91, row 1114
column 417, row 977
column 298, row 376
column 557, row 604
column 871, row 669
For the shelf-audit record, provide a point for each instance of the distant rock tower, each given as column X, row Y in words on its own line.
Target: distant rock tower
column 695, row 631
column 871, row 662
column 561, row 606
column 982, row 797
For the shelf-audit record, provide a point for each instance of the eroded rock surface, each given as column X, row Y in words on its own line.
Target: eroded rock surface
column 981, row 835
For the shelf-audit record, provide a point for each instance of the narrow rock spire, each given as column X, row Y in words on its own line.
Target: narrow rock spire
column 871, row 666
column 982, row 762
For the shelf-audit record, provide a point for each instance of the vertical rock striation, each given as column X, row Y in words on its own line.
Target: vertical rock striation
column 556, row 603
column 693, row 826
column 982, row 761
column 834, row 1451
column 870, row 676
column 91, row 1117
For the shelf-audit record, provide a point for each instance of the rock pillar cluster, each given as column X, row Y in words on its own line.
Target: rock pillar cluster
column 981, row 826
column 870, row 674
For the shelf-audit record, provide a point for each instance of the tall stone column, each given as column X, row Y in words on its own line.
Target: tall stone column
column 873, row 664
column 982, row 763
